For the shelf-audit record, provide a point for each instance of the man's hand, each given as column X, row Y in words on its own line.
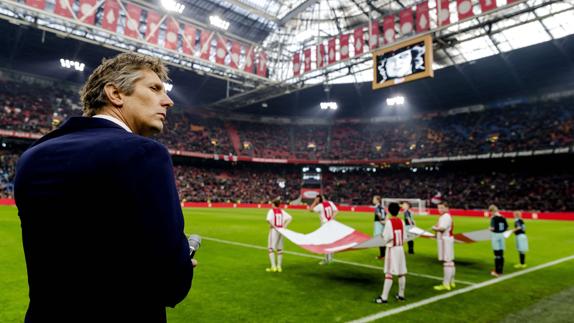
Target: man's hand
column 194, row 263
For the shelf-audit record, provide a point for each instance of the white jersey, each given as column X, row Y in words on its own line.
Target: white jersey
column 327, row 211
column 445, row 221
column 277, row 218
column 445, row 240
column 395, row 235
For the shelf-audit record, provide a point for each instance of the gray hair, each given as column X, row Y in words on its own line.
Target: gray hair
column 123, row 71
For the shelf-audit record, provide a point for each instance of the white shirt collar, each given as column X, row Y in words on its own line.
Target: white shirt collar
column 114, row 120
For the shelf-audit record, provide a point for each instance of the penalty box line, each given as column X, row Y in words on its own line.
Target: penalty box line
column 356, row 264
column 467, row 289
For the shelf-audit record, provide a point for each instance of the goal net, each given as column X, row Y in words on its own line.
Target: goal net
column 418, row 206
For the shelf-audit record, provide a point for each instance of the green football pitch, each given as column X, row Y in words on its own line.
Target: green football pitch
column 231, row 284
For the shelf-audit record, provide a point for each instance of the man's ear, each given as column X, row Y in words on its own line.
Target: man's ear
column 114, row 95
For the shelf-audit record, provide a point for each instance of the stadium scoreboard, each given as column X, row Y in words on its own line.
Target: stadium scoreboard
column 407, row 61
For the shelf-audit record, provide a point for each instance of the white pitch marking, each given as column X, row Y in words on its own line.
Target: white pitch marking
column 335, row 260
column 437, row 298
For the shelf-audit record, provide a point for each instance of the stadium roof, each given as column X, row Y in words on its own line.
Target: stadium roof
column 285, row 27
column 293, row 25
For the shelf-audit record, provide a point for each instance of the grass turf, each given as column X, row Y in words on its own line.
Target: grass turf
column 231, row 284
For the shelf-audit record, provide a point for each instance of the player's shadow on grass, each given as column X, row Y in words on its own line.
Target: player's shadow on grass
column 348, row 276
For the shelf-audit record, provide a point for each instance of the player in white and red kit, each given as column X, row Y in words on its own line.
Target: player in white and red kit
column 394, row 235
column 327, row 211
column 445, row 241
column 277, row 218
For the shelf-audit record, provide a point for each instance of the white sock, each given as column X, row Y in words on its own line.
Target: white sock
column 387, row 287
column 448, row 273
column 402, row 284
column 452, row 272
column 272, row 259
column 279, row 258
column 328, row 257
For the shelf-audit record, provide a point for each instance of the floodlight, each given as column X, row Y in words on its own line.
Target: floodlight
column 172, row 5
column 397, row 100
column 218, row 22
column 329, row 106
column 66, row 63
column 168, row 87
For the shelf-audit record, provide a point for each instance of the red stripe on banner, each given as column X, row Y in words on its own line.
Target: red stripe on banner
column 189, row 36
column 320, row 55
column 262, row 64
column 331, row 51
column 205, row 43
column 296, row 64
column 464, row 9
column 406, row 21
column 249, row 60
column 133, row 20
column 171, row 34
column 359, row 40
column 356, row 237
column 307, row 63
column 220, row 50
column 152, row 28
column 38, row 4
column 374, row 35
column 111, row 15
column 423, row 18
column 462, row 238
column 444, row 13
column 389, row 29
column 87, row 12
column 344, row 46
column 487, row 5
column 235, row 54
column 63, row 8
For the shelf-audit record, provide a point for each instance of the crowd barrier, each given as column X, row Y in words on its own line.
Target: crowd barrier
column 369, row 209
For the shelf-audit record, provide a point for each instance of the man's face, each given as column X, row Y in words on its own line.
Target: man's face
column 400, row 64
column 442, row 209
column 146, row 108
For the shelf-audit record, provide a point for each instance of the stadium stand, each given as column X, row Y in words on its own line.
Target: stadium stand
column 535, row 125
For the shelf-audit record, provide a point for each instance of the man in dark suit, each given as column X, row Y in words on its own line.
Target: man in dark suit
column 102, row 226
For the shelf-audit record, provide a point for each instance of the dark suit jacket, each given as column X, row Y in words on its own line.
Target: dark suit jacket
column 102, row 226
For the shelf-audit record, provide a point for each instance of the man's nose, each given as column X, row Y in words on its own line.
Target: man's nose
column 167, row 102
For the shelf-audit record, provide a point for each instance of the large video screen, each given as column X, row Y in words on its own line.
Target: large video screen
column 403, row 62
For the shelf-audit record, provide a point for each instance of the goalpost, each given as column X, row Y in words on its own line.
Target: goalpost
column 418, row 206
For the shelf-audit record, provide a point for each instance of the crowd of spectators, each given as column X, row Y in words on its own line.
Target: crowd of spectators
column 463, row 189
column 236, row 184
column 261, row 140
column 37, row 109
column 467, row 189
column 526, row 126
column 7, row 171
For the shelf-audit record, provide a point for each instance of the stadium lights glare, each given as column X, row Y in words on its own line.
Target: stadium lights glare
column 66, row 63
column 168, row 87
column 218, row 22
column 329, row 106
column 397, row 100
column 172, row 5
